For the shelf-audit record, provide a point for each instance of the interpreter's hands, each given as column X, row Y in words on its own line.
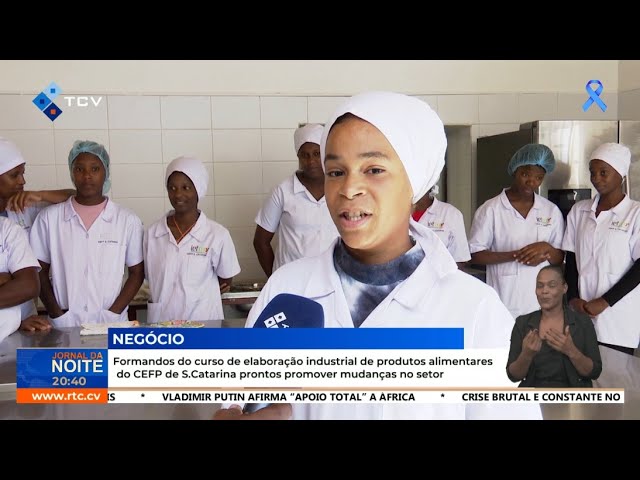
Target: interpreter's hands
column 595, row 307
column 36, row 323
column 22, row 200
column 531, row 343
column 534, row 254
column 562, row 342
column 225, row 287
column 5, row 277
column 577, row 304
column 275, row 411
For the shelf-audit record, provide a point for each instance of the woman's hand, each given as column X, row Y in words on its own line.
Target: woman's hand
column 22, row 200
column 577, row 304
column 562, row 342
column 531, row 343
column 534, row 254
column 595, row 307
column 35, row 323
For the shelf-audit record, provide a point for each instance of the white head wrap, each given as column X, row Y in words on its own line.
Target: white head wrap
column 412, row 128
column 192, row 168
column 616, row 155
column 10, row 156
column 311, row 132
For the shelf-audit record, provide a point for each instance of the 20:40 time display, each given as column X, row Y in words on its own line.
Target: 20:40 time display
column 64, row 381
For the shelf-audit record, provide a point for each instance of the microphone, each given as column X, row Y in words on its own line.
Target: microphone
column 291, row 311
column 287, row 311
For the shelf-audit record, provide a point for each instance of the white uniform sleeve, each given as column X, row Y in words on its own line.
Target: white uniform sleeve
column 39, row 237
column 145, row 250
column 20, row 252
column 569, row 239
column 225, row 264
column 634, row 241
column 135, row 232
column 269, row 215
column 555, row 239
column 460, row 248
column 481, row 230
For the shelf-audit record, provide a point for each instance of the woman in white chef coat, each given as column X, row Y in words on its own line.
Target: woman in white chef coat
column 602, row 241
column 518, row 232
column 22, row 206
column 189, row 259
column 296, row 209
column 83, row 245
column 19, row 280
column 446, row 221
column 382, row 152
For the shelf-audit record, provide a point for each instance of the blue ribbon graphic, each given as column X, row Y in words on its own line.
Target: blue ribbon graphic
column 594, row 96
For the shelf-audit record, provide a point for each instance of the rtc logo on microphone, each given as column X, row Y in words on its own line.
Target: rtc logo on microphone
column 272, row 322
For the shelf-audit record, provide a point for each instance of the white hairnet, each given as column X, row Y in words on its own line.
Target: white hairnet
column 616, row 155
column 94, row 148
column 10, row 156
column 412, row 128
column 311, row 132
column 532, row 154
column 192, row 168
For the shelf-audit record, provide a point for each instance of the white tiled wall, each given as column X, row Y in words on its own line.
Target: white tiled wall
column 246, row 143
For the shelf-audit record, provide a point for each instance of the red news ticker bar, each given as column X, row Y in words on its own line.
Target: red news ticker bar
column 62, row 395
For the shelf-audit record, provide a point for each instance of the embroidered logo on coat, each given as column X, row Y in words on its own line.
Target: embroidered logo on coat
column 543, row 221
column 436, row 225
column 620, row 226
column 199, row 250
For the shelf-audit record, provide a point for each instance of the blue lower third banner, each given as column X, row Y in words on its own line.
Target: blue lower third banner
column 292, row 338
column 61, row 368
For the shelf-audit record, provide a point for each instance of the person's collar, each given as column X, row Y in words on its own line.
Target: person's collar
column 198, row 231
column 437, row 263
column 107, row 214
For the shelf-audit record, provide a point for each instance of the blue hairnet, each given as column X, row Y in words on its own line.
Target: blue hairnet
column 532, row 154
column 87, row 146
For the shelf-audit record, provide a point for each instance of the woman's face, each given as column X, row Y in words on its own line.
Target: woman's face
column 550, row 287
column 604, row 177
column 527, row 179
column 309, row 160
column 12, row 182
column 89, row 175
column 182, row 193
column 367, row 190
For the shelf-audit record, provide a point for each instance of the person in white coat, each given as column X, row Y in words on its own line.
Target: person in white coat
column 22, row 206
column 602, row 241
column 296, row 209
column 19, row 280
column 189, row 259
column 446, row 221
column 518, row 232
column 83, row 245
column 382, row 152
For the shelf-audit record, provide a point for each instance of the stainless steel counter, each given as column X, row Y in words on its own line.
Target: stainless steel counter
column 619, row 371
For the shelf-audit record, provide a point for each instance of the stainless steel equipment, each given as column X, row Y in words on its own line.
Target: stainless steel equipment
column 571, row 142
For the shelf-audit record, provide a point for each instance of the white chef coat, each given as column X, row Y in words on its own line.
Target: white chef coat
column 606, row 247
column 183, row 278
column 447, row 223
column 87, row 267
column 437, row 294
column 303, row 223
column 15, row 254
column 498, row 227
column 25, row 220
